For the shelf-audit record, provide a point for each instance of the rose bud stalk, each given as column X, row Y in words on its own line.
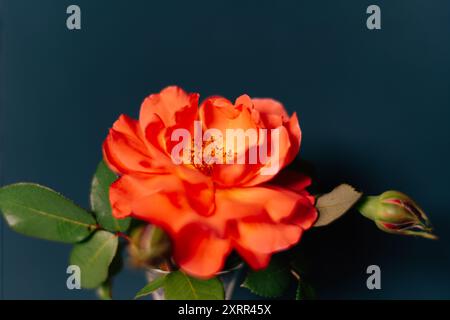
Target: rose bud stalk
column 395, row 212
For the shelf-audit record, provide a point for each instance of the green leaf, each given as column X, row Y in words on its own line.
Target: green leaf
column 105, row 291
column 40, row 212
column 180, row 286
column 333, row 205
column 150, row 287
column 304, row 291
column 94, row 257
column 271, row 282
column 100, row 203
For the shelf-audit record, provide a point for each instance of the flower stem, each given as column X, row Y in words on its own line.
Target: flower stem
column 367, row 207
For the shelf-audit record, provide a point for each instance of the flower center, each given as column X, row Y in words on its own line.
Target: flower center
column 203, row 157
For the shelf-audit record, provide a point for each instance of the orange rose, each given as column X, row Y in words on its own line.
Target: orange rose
column 209, row 209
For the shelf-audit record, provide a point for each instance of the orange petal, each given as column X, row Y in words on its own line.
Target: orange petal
column 216, row 111
column 258, row 240
column 263, row 236
column 273, row 115
column 279, row 203
column 164, row 200
column 256, row 260
column 295, row 137
column 271, row 112
column 228, row 175
column 128, row 189
column 124, row 149
column 167, row 210
column 219, row 113
column 275, row 160
column 263, row 220
column 173, row 105
column 155, row 135
column 306, row 213
column 171, row 109
column 199, row 251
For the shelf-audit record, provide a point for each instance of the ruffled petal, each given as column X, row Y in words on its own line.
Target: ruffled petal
column 295, row 137
column 276, row 158
column 306, row 213
column 236, row 203
column 129, row 189
column 124, row 149
column 220, row 114
column 271, row 112
column 173, row 105
column 256, row 260
column 199, row 251
column 263, row 220
column 264, row 236
column 164, row 200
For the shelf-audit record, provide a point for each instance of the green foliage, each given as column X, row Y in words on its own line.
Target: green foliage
column 94, row 257
column 40, row 212
column 180, row 286
column 100, row 204
column 271, row 282
column 150, row 287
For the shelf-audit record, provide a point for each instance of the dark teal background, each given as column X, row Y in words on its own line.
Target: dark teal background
column 374, row 108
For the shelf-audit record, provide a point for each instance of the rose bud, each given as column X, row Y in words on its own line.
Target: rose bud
column 150, row 247
column 395, row 212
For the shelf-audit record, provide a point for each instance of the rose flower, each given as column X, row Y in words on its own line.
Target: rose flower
column 209, row 209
